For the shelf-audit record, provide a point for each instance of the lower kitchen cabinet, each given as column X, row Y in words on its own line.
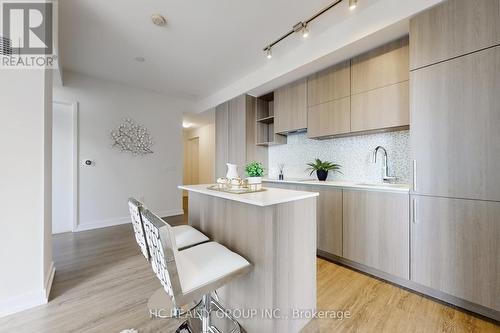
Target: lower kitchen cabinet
column 376, row 230
column 455, row 248
column 329, row 218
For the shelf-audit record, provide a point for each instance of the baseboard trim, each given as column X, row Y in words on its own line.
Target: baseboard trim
column 102, row 224
column 425, row 291
column 29, row 300
column 122, row 220
column 49, row 280
column 22, row 302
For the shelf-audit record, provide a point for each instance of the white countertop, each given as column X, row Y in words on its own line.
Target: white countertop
column 272, row 196
column 400, row 188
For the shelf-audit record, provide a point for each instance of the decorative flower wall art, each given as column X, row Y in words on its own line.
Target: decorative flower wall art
column 133, row 138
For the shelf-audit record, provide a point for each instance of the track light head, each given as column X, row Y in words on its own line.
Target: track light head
column 305, row 31
column 269, row 53
column 301, row 27
column 353, row 4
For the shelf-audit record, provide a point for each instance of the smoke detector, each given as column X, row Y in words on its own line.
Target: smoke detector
column 158, row 20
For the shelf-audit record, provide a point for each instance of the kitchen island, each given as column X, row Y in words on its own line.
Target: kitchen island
column 275, row 230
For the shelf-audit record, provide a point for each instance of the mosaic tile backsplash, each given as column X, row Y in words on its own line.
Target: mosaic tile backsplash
column 353, row 153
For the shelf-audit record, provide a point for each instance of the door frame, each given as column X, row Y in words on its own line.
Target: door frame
column 74, row 110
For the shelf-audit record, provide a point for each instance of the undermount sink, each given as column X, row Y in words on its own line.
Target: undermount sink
column 383, row 185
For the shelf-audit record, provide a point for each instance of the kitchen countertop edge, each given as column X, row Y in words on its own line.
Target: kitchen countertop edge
column 342, row 184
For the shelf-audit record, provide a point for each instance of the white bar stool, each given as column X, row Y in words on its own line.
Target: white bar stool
column 185, row 235
column 193, row 273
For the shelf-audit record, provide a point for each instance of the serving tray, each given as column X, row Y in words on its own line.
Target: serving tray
column 235, row 190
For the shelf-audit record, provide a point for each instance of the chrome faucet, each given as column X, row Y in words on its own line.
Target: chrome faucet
column 386, row 176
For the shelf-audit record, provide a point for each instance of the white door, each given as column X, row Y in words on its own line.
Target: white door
column 62, row 168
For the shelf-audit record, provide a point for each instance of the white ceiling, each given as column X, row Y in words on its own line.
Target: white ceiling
column 207, row 47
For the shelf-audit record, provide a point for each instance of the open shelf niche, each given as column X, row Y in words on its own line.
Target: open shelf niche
column 265, row 135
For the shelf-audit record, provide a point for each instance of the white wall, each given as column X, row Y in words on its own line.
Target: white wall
column 25, row 188
column 105, row 187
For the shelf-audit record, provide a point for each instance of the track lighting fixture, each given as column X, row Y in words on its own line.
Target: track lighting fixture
column 303, row 26
column 269, row 53
column 305, row 31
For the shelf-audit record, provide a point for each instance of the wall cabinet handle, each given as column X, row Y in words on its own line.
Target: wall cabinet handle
column 414, row 175
column 414, row 210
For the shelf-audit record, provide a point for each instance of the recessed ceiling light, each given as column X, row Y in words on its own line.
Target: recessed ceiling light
column 158, row 20
column 185, row 124
column 140, row 59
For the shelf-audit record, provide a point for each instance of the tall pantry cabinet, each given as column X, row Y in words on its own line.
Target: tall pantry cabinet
column 235, row 130
column 455, row 138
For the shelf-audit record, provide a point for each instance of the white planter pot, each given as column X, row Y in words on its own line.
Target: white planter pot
column 254, row 180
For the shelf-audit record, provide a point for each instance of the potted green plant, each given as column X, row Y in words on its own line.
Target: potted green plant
column 322, row 167
column 254, row 171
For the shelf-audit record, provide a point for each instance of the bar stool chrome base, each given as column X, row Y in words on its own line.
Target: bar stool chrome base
column 202, row 311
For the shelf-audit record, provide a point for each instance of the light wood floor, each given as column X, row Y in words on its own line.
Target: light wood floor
column 102, row 284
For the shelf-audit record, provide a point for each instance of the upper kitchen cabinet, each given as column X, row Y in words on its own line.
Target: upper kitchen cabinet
column 330, row 118
column 290, row 107
column 455, row 127
column 329, row 85
column 329, row 104
column 380, row 88
column 265, row 134
column 235, row 130
column 453, row 28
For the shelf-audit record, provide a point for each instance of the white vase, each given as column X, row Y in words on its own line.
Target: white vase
column 254, row 180
column 232, row 171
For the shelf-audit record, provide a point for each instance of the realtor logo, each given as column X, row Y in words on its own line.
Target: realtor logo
column 28, row 27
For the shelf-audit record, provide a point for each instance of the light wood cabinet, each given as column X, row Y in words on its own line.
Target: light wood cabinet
column 330, row 84
column 329, row 105
column 328, row 119
column 235, row 135
column 380, row 88
column 376, row 230
column 455, row 248
column 387, row 107
column 221, row 139
column 453, row 28
column 381, row 67
column 237, row 153
column 264, row 110
column 329, row 215
column 290, row 107
column 329, row 218
column 455, row 127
